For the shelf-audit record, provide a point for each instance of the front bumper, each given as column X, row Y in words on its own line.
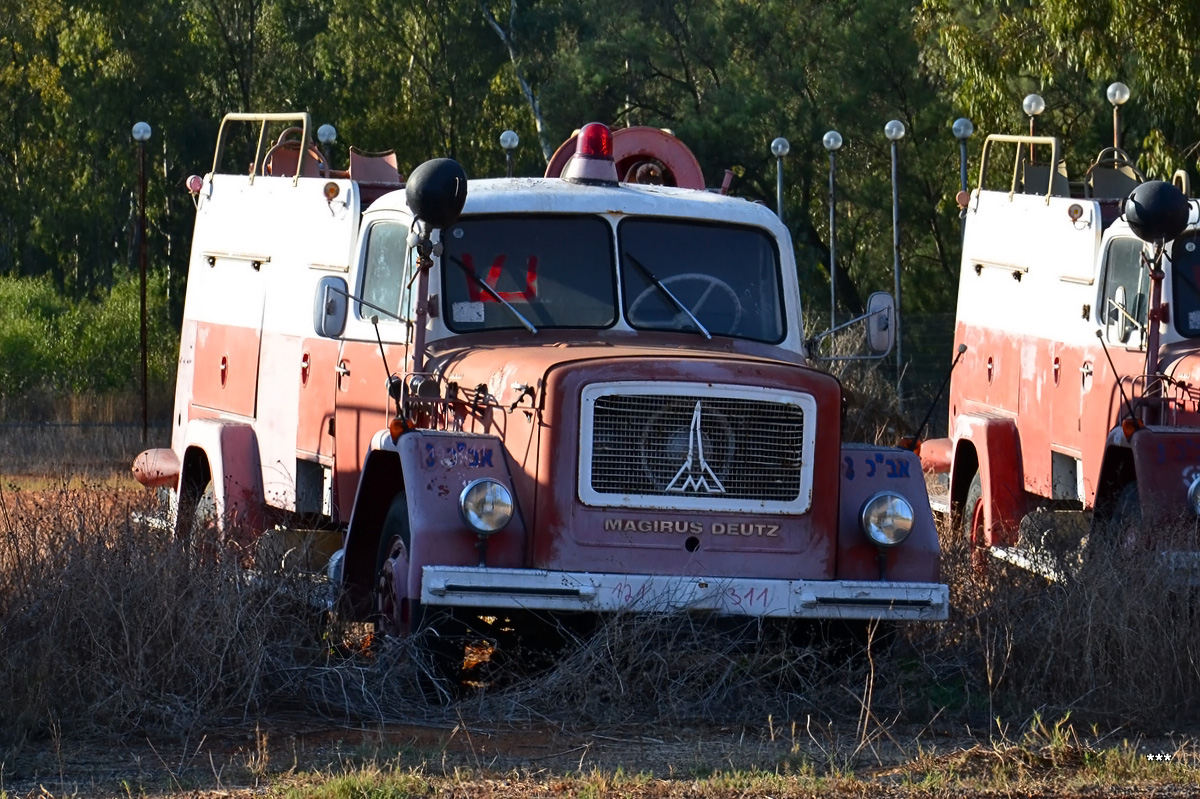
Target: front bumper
column 531, row 589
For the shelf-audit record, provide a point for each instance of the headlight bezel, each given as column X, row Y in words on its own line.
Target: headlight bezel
column 879, row 503
column 475, row 494
column 1193, row 495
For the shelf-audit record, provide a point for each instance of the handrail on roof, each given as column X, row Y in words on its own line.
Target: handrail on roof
column 302, row 118
column 1031, row 141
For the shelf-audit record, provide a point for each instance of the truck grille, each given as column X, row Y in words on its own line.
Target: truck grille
column 736, row 448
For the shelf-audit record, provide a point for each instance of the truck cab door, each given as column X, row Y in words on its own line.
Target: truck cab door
column 362, row 405
column 1122, row 309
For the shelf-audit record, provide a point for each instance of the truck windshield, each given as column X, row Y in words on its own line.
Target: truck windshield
column 558, row 271
column 676, row 273
column 555, row 271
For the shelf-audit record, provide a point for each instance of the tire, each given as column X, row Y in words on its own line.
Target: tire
column 973, row 533
column 196, row 528
column 1115, row 527
column 1126, row 514
column 394, row 540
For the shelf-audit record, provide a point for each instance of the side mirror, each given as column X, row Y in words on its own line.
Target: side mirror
column 881, row 333
column 330, row 306
column 1119, row 326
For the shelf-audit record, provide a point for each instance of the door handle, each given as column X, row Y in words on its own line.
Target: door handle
column 1086, row 370
column 342, row 369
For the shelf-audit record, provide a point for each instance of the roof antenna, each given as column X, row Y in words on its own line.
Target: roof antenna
column 1137, row 423
column 913, row 443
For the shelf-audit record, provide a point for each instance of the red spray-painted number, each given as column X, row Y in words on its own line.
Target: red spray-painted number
column 477, row 294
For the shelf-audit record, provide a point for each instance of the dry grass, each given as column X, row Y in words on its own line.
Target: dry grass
column 1116, row 639
column 43, row 454
column 109, row 625
column 112, row 628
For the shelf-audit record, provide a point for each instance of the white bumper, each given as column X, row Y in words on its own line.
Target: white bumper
column 725, row 596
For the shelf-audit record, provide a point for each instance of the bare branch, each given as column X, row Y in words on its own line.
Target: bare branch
column 506, row 36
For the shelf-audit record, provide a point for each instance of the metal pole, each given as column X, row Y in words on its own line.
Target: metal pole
column 894, row 130
column 962, row 163
column 962, row 129
column 832, row 241
column 1118, row 95
column 142, row 269
column 779, row 148
column 509, row 141
column 1033, row 104
column 962, row 168
column 832, row 142
column 896, row 270
column 779, row 187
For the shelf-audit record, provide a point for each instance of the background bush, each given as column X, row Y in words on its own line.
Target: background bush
column 54, row 351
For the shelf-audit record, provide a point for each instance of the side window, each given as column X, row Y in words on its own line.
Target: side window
column 1125, row 293
column 384, row 275
column 1185, row 283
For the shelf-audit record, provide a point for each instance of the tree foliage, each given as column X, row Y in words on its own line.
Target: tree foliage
column 444, row 77
column 48, row 342
column 991, row 54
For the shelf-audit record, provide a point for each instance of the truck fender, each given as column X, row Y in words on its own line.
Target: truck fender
column 227, row 453
column 1165, row 464
column 431, row 469
column 379, row 483
column 1116, row 472
column 866, row 471
column 991, row 444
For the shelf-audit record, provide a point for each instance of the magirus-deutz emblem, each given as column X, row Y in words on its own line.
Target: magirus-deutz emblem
column 695, row 474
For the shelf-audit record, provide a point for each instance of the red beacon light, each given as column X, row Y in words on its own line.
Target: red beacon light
column 593, row 158
column 195, row 185
column 595, row 141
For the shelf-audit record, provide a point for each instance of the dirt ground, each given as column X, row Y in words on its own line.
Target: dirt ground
column 461, row 759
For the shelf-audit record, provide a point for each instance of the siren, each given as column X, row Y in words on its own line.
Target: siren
column 593, row 158
column 1156, row 211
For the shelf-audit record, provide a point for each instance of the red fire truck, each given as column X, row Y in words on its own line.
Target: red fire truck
column 1079, row 381
column 568, row 394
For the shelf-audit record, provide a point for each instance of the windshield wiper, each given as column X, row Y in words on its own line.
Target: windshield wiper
column 651, row 277
column 495, row 295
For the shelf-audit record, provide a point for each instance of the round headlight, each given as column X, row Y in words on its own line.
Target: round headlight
column 887, row 519
column 1194, row 495
column 486, row 505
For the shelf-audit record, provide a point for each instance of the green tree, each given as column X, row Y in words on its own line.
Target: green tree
column 416, row 76
column 729, row 76
column 994, row 53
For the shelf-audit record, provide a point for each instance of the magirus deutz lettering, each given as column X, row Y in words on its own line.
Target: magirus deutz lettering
column 693, row 527
column 509, row 397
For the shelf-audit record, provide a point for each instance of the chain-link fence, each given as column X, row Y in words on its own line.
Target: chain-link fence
column 928, row 352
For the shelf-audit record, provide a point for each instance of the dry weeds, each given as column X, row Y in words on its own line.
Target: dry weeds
column 113, row 630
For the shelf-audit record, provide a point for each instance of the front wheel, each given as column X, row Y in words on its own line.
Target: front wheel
column 391, row 611
column 1116, row 527
column 974, row 535
column 196, row 526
